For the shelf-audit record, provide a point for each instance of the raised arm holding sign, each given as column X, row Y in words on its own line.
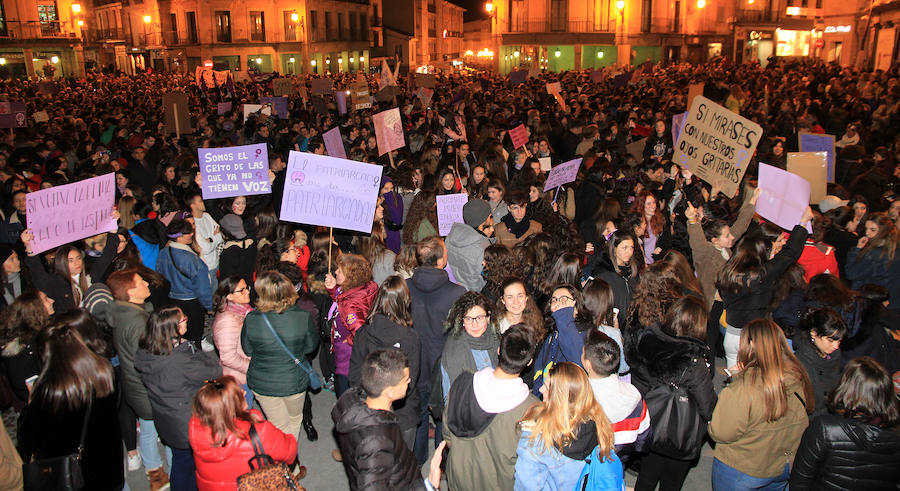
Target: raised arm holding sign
column 62, row 214
column 388, row 131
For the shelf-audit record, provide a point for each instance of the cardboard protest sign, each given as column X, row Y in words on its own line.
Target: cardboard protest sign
column 319, row 104
column 783, row 196
column 341, row 98
column 321, row 86
column 597, row 76
column 517, row 77
column 546, row 163
column 387, row 77
column 41, row 117
column 814, row 142
column 636, row 149
column 61, row 214
column 519, row 136
column 252, row 108
column 279, row 104
column 388, row 130
column 330, row 192
column 12, row 115
column 554, row 88
column 717, row 144
column 425, row 94
column 678, row 125
column 562, row 174
column 223, row 107
column 178, row 116
column 693, row 91
column 621, row 80
column 561, row 101
column 48, row 87
column 812, row 166
column 282, row 86
column 359, row 96
column 334, row 144
column 234, row 171
column 534, row 72
column 427, row 80
column 450, row 211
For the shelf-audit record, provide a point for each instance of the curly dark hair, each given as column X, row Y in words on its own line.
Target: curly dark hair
column 657, row 289
column 453, row 326
column 423, row 207
column 499, row 264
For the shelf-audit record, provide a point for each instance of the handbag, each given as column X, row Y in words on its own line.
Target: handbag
column 315, row 381
column 678, row 428
column 59, row 473
column 264, row 473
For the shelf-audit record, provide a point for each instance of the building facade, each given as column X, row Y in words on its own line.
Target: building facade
column 436, row 27
column 41, row 38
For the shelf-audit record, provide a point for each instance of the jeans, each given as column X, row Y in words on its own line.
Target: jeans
column 148, row 445
column 182, row 476
column 727, row 478
column 341, row 384
column 421, row 446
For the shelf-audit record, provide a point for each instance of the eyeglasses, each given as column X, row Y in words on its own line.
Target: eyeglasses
column 242, row 290
column 564, row 298
column 478, row 319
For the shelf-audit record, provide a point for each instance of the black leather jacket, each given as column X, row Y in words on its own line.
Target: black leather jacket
column 842, row 453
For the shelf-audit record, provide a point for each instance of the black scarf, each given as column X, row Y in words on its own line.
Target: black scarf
column 516, row 228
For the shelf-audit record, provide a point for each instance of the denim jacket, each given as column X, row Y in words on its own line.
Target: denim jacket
column 187, row 273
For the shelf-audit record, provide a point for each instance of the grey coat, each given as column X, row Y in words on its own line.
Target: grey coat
column 465, row 252
column 129, row 321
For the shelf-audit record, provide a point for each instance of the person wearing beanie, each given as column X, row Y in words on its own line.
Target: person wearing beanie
column 238, row 257
column 466, row 243
column 12, row 281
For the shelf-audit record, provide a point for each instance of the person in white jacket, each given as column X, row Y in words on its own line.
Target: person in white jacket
column 206, row 234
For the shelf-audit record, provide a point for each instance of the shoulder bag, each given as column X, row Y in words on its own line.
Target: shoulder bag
column 264, row 473
column 315, row 380
column 60, row 473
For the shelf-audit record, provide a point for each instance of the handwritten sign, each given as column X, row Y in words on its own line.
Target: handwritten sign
column 12, row 115
column 282, row 86
column 562, row 174
column 425, row 94
column 813, row 142
column 554, row 88
column 41, row 117
column 783, row 196
column 427, row 80
column 279, row 104
column 334, row 144
column 252, row 108
column 223, row 107
column 546, row 163
column 534, row 72
column 359, row 96
column 178, row 117
column 450, row 211
column 234, row 171
column 61, row 214
column 330, row 192
column 321, row 86
column 388, row 130
column 812, row 166
column 717, row 144
column 519, row 136
column 517, row 77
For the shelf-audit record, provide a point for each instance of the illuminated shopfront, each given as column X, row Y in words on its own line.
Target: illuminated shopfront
column 792, row 43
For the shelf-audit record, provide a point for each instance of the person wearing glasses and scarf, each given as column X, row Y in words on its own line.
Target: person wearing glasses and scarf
column 471, row 343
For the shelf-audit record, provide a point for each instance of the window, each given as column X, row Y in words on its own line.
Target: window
column 353, row 26
column 558, row 15
column 313, row 26
column 328, row 34
column 290, row 28
column 646, row 15
column 48, row 17
column 676, row 24
column 432, row 31
column 223, row 26
column 191, row 26
column 340, row 26
column 172, row 37
column 517, row 16
column 257, row 26
column 363, row 22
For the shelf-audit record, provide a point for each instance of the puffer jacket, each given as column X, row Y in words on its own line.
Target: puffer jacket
column 218, row 467
column 372, row 446
column 838, row 453
column 465, row 252
column 171, row 381
column 353, row 308
column 226, row 328
column 129, row 321
column 186, row 272
column 272, row 372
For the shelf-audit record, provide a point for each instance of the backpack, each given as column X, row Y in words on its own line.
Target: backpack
column 549, row 355
column 678, row 429
column 597, row 475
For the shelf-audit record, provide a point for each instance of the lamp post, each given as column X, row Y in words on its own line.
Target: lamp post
column 491, row 10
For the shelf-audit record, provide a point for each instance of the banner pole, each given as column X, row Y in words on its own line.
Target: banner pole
column 330, row 238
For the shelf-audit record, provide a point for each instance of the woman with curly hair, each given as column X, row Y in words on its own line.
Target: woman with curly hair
column 499, row 263
column 421, row 222
column 657, row 289
column 472, row 342
column 22, row 321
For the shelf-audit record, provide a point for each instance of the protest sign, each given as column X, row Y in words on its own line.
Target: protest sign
column 636, row 149
column 597, row 76
column 359, row 96
column 330, row 192
column 279, row 104
column 321, row 86
column 341, row 98
column 450, row 211
column 678, row 125
column 534, row 72
column 812, row 166
column 427, row 80
column 178, row 117
column 12, row 115
column 814, row 142
column 621, row 80
column 61, row 214
column 234, row 171
column 693, row 91
column 517, row 77
column 41, row 117
column 783, row 196
column 334, row 144
column 386, row 77
column 519, row 136
column 546, row 163
column 425, row 94
column 386, row 94
column 562, row 174
column 223, row 107
column 252, row 108
column 388, row 130
column 717, row 144
column 554, row 88
column 319, row 104
column 282, row 86
column 48, row 87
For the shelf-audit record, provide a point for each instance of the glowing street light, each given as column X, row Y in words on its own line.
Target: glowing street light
column 599, row 54
column 351, row 59
column 362, row 59
column 489, row 7
column 620, row 4
column 76, row 7
column 147, row 19
column 701, row 4
column 2, row 61
column 258, row 61
column 558, row 53
column 80, row 22
column 340, row 60
column 516, row 53
column 291, row 59
column 295, row 16
column 54, row 59
column 312, row 62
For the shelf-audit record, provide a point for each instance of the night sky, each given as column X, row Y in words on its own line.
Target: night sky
column 474, row 8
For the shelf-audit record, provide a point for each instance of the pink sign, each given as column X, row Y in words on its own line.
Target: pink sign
column 388, row 130
column 519, row 136
column 554, row 88
column 562, row 174
column 450, row 211
column 783, row 196
column 334, row 144
column 70, row 212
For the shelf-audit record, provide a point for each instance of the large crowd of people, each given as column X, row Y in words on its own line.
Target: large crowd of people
column 550, row 340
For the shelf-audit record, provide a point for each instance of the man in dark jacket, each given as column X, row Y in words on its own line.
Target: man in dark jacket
column 368, row 433
column 432, row 294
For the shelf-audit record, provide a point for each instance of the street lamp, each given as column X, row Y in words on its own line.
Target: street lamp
column 80, row 23
column 351, row 59
column 295, row 16
column 557, row 53
column 291, row 59
column 620, row 4
column 2, row 61
column 312, row 62
column 489, row 7
column 54, row 59
column 76, row 7
column 362, row 59
column 147, row 19
column 258, row 61
column 599, row 54
column 701, row 4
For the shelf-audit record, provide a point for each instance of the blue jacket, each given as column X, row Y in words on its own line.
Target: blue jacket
column 564, row 344
column 188, row 274
column 540, row 469
column 876, row 269
column 149, row 251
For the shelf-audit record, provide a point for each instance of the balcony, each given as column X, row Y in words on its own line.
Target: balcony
column 558, row 25
column 101, row 35
column 53, row 29
column 757, row 15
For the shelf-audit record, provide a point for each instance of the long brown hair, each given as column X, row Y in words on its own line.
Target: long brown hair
column 219, row 404
column 162, row 331
column 683, row 270
column 657, row 222
column 866, row 393
column 423, row 207
column 24, row 318
column 61, row 266
column 767, row 360
column 569, row 403
column 392, row 301
column 885, row 240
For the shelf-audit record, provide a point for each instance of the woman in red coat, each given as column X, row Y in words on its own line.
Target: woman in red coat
column 219, row 436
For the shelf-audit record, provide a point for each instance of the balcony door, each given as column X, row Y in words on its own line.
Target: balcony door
column 48, row 17
column 223, row 26
column 559, row 15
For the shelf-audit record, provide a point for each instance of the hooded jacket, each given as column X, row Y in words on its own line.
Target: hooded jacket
column 481, row 427
column 129, row 321
column 465, row 252
column 432, row 294
column 824, row 373
column 371, row 443
column 171, row 381
column 219, row 467
column 187, row 273
column 353, row 308
column 838, row 453
column 383, row 333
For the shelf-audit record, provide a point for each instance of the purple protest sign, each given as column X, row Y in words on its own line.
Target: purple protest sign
column 678, row 125
column 562, row 174
column 330, row 192
column 61, row 214
column 12, row 115
column 223, row 107
column 519, row 136
column 334, row 144
column 341, row 98
column 388, row 130
column 234, row 171
column 279, row 104
column 783, row 196
column 450, row 211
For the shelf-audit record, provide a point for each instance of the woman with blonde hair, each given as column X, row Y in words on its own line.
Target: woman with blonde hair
column 762, row 414
column 561, row 432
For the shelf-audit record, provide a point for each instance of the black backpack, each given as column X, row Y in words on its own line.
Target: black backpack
column 678, row 428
